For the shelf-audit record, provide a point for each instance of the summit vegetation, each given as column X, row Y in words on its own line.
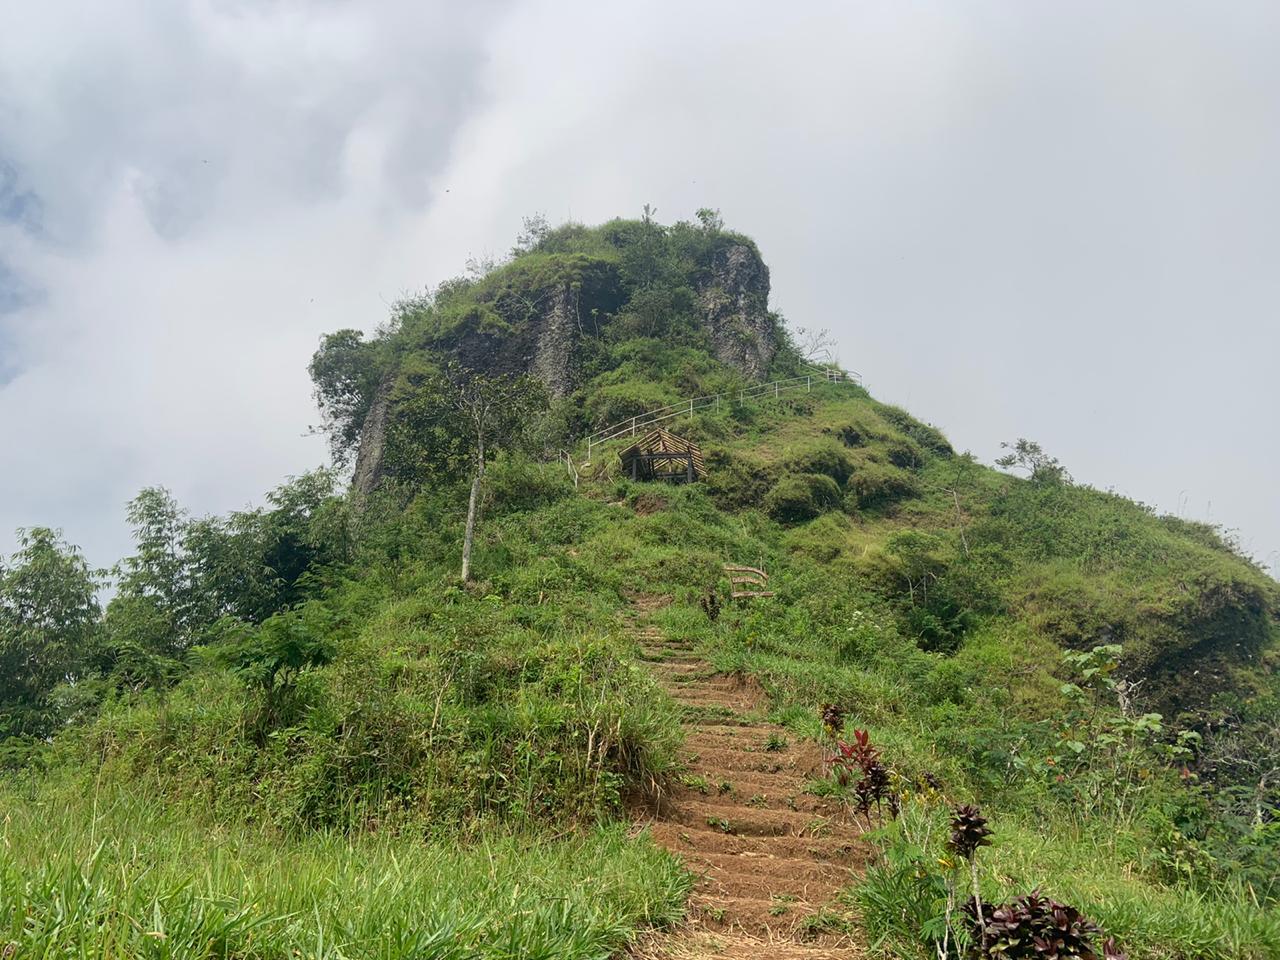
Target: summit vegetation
column 305, row 730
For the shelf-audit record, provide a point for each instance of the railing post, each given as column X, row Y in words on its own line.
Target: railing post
column 691, row 406
column 775, row 389
column 808, row 384
column 633, row 426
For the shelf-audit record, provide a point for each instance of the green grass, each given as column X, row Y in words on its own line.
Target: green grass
column 412, row 787
column 1099, row 871
column 120, row 875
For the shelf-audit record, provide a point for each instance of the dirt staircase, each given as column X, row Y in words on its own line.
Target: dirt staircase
column 770, row 858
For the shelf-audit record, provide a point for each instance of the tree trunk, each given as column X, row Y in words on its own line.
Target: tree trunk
column 473, row 506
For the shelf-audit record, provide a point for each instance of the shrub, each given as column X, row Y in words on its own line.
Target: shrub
column 828, row 459
column 854, row 434
column 516, row 484
column 1035, row 927
column 615, row 402
column 903, row 453
column 801, row 496
column 875, row 485
column 734, row 481
column 441, row 713
column 930, row 438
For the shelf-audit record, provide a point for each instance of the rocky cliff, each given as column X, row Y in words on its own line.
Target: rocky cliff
column 734, row 308
column 539, row 315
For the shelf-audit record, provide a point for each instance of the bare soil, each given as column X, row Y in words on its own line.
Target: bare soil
column 770, row 859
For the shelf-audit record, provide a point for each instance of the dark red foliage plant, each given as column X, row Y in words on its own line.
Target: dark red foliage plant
column 1036, row 927
column 832, row 719
column 969, row 831
column 858, row 764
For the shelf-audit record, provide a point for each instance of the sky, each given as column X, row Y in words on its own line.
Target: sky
column 1018, row 219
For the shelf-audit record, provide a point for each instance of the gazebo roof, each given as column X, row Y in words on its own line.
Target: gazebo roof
column 660, row 441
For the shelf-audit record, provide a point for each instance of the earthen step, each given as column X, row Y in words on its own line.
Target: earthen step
column 656, row 657
column 682, row 671
column 726, row 763
column 840, row 847
column 706, row 745
column 755, row 739
column 769, row 868
column 702, row 691
column 765, row 796
column 740, row 820
column 722, row 945
column 765, row 917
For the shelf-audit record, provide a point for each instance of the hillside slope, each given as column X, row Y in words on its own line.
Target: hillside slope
column 300, row 734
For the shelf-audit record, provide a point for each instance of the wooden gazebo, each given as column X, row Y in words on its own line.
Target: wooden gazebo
column 661, row 455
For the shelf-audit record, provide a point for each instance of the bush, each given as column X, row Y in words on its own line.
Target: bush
column 930, row 438
column 801, row 497
column 615, row 402
column 878, row 485
column 903, row 453
column 733, row 481
column 1036, row 927
column 445, row 711
column 515, row 484
column 828, row 459
column 855, row 434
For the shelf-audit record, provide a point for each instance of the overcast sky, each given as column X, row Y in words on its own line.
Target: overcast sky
column 1059, row 221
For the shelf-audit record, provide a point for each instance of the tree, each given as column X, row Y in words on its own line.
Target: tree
column 345, row 372
column 455, row 421
column 272, row 656
column 496, row 412
column 48, row 622
column 157, row 607
column 533, row 230
column 815, row 346
column 710, row 220
column 645, row 258
column 1030, row 456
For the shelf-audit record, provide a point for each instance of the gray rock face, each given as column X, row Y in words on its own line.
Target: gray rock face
column 545, row 347
column 555, row 350
column 733, row 301
column 735, row 311
column 368, row 471
column 544, row 344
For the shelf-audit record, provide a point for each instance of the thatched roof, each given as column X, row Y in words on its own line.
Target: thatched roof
column 657, row 442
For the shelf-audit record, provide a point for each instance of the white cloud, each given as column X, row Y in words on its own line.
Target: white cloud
column 1021, row 220
column 217, row 186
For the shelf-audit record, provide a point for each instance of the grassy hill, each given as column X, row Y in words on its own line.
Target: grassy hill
column 293, row 732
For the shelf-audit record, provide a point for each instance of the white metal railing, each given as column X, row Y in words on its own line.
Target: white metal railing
column 567, row 459
column 686, row 408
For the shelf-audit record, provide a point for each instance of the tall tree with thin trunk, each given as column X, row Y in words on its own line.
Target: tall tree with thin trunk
column 497, row 412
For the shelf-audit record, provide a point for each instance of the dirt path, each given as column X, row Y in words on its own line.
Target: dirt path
column 770, row 858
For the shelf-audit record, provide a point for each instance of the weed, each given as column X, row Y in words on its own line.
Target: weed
column 695, row 782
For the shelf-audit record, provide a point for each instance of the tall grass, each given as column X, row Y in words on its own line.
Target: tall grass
column 119, row 875
column 1152, row 920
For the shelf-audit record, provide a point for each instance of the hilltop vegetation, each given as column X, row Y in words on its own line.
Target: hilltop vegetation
column 287, row 719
